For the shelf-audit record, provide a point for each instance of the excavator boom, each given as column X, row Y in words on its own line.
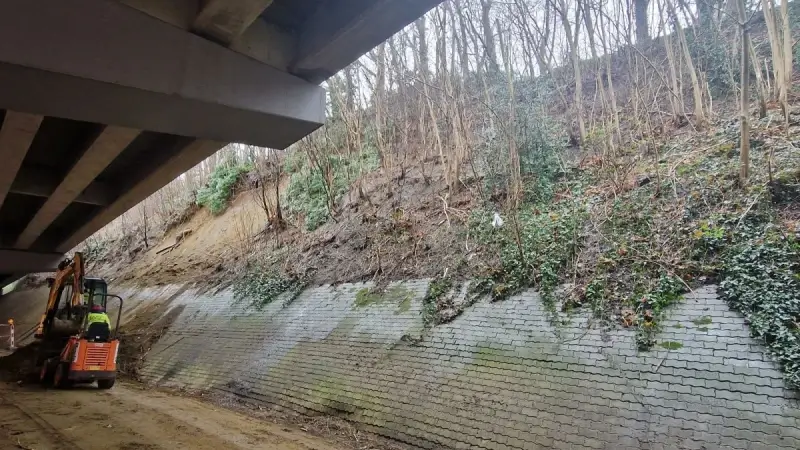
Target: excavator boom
column 70, row 271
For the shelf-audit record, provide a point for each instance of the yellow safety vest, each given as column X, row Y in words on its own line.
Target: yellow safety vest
column 98, row 317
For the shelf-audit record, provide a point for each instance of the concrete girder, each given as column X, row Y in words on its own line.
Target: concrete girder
column 191, row 155
column 14, row 261
column 105, row 148
column 339, row 32
column 103, row 62
column 223, row 20
column 16, row 134
column 261, row 41
column 179, row 13
column 42, row 183
column 333, row 34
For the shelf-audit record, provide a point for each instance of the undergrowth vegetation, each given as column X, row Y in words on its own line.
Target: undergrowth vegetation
column 259, row 284
column 316, row 187
column 538, row 139
column 629, row 245
column 761, row 279
column 220, row 186
column 438, row 291
column 532, row 250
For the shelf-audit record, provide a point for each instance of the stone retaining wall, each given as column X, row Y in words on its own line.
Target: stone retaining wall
column 500, row 376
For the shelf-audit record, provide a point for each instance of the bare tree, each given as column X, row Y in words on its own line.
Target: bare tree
column 779, row 32
column 642, row 22
column 490, row 51
column 572, row 37
column 744, row 101
column 145, row 222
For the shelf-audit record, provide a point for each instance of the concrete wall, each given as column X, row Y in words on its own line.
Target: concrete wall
column 498, row 377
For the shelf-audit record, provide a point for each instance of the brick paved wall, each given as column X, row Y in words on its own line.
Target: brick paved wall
column 498, row 377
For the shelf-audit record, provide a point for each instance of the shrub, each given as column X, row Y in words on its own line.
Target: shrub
column 307, row 193
column 711, row 53
column 219, row 188
column 538, row 139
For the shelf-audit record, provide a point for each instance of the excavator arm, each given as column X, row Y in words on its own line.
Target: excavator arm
column 69, row 270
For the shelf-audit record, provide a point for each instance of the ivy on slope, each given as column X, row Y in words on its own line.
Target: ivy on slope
column 219, row 188
column 533, row 249
column 761, row 279
column 260, row 285
column 307, row 194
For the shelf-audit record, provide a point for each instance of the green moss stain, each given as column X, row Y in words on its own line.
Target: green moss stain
column 703, row 329
column 346, row 326
column 404, row 305
column 396, row 295
column 705, row 320
column 488, row 356
column 670, row 345
column 365, row 297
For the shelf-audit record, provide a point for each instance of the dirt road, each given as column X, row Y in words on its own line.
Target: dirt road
column 131, row 418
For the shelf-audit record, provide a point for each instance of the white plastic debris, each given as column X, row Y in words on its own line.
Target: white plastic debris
column 497, row 222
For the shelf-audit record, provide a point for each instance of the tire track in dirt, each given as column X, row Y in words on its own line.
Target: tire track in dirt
column 27, row 430
column 131, row 417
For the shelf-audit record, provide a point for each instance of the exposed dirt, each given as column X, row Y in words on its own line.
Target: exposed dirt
column 130, row 417
column 406, row 225
column 19, row 365
column 400, row 226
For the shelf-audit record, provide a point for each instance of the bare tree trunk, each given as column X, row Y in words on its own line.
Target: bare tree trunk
column 462, row 40
column 145, row 223
column 761, row 87
column 642, row 22
column 776, row 45
column 609, row 73
column 488, row 36
column 676, row 99
column 572, row 39
column 515, row 182
column 422, row 47
column 787, row 62
column 598, row 71
column 277, row 171
column 380, row 107
column 697, row 90
column 744, row 107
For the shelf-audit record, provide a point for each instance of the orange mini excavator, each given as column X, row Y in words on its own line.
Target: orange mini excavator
column 70, row 352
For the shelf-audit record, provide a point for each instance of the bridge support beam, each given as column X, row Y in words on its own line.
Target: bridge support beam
column 107, row 146
column 189, row 156
column 16, row 134
column 103, row 62
column 21, row 261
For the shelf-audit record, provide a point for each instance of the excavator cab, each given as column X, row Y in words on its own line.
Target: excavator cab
column 72, row 351
column 95, row 293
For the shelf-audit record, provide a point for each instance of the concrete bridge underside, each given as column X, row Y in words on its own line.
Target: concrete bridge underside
column 103, row 102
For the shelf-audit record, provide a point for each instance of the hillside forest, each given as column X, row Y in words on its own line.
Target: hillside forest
column 611, row 154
